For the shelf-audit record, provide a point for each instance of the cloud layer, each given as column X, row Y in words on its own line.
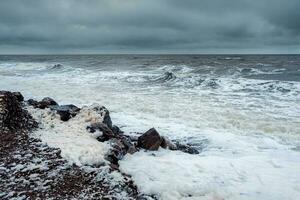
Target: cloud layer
column 150, row 26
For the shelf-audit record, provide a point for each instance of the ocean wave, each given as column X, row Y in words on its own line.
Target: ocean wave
column 176, row 68
column 55, row 67
column 263, row 71
column 232, row 58
column 167, row 76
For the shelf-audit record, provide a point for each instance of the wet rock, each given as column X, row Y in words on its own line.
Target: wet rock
column 105, row 115
column 186, row 148
column 120, row 146
column 19, row 96
column 65, row 111
column 32, row 102
column 167, row 144
column 150, row 140
column 12, row 115
column 46, row 102
column 117, row 130
column 107, row 133
column 117, row 152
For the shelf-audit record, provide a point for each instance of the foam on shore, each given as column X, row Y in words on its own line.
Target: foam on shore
column 76, row 144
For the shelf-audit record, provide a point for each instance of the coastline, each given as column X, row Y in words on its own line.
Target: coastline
column 68, row 169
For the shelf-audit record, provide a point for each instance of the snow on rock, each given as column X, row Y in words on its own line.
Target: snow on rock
column 76, row 144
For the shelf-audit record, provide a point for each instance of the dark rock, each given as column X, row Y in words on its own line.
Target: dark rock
column 117, row 130
column 107, row 120
column 46, row 103
column 126, row 141
column 150, row 140
column 19, row 96
column 32, row 102
column 119, row 148
column 107, row 133
column 186, row 148
column 12, row 115
column 104, row 113
column 116, row 152
column 65, row 111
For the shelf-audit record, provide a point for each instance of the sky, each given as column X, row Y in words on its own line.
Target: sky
column 149, row 26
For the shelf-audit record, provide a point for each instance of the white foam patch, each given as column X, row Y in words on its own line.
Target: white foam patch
column 176, row 175
column 76, row 144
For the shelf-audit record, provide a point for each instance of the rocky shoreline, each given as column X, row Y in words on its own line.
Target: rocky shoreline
column 30, row 169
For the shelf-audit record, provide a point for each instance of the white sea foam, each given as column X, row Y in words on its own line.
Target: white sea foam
column 76, row 144
column 176, row 175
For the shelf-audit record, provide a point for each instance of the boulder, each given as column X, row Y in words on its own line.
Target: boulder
column 65, row 111
column 186, row 148
column 32, row 102
column 120, row 146
column 19, row 96
column 107, row 133
column 104, row 114
column 116, row 152
column 12, row 115
column 151, row 140
column 46, row 102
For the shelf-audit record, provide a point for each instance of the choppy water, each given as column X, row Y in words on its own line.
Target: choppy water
column 231, row 106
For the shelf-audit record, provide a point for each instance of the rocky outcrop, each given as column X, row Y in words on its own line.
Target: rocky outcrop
column 47, row 102
column 104, row 116
column 107, row 133
column 12, row 116
column 44, row 103
column 19, row 96
column 186, row 148
column 65, row 111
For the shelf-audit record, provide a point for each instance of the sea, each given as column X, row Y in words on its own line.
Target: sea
column 242, row 112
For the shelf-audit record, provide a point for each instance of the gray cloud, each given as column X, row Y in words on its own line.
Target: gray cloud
column 144, row 26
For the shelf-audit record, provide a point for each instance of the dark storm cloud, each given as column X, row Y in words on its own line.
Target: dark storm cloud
column 149, row 26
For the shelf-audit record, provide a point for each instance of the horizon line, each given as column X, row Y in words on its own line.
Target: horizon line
column 70, row 54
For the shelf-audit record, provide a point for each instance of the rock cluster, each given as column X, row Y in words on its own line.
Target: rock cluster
column 12, row 116
column 14, row 120
column 65, row 111
column 30, row 169
column 121, row 144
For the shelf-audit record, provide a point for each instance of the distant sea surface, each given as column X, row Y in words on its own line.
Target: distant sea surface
column 230, row 107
